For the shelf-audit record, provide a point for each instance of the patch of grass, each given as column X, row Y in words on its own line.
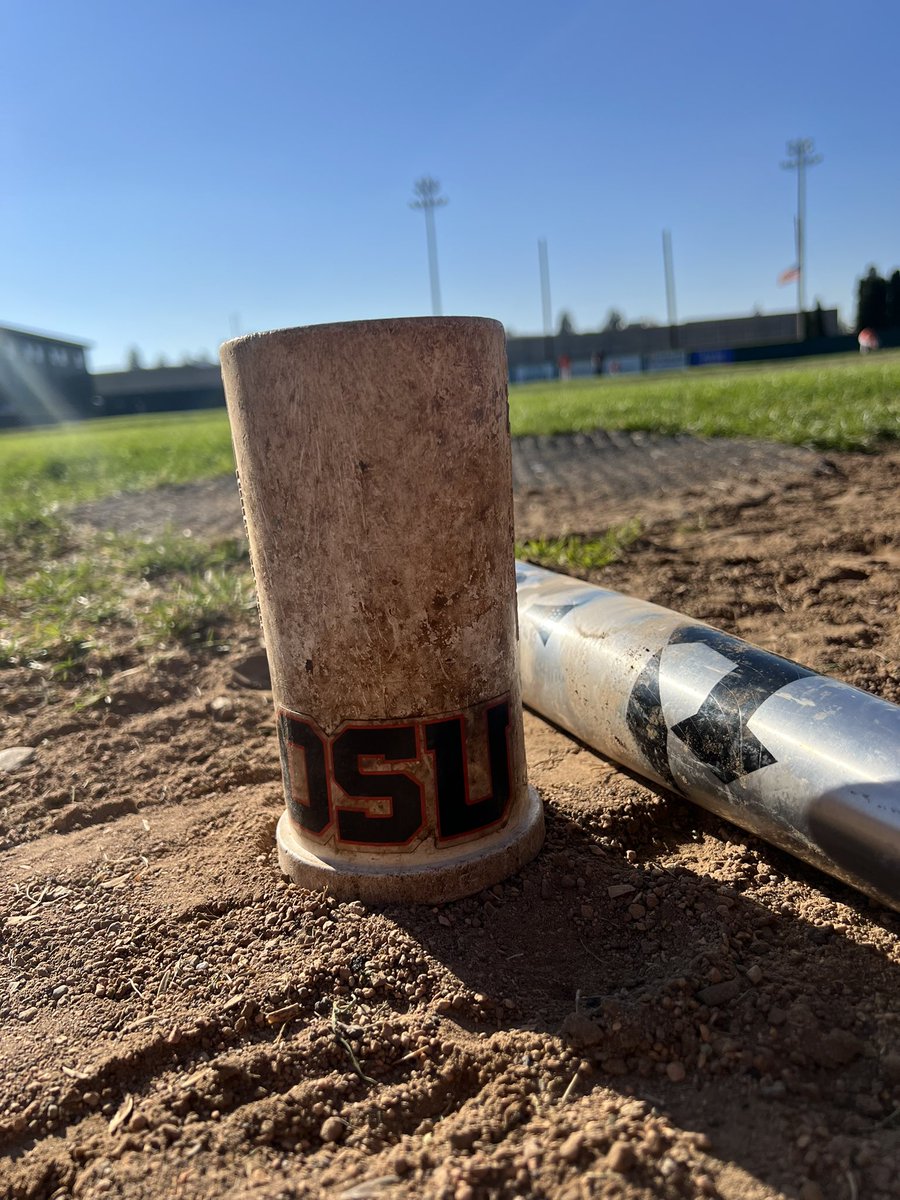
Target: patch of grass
column 199, row 607
column 172, row 552
column 171, row 589
column 844, row 404
column 42, row 470
column 35, row 531
column 580, row 552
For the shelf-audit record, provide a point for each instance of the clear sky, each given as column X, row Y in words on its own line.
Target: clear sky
column 171, row 170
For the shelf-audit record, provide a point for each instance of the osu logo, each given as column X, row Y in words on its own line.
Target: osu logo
column 385, row 785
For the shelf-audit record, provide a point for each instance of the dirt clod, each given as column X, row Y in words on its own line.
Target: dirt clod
column 620, row 1157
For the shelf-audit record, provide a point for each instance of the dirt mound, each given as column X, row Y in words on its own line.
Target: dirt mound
column 658, row 1005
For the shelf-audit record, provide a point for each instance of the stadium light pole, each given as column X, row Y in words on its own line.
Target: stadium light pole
column 544, row 267
column 428, row 199
column 802, row 156
column 669, row 270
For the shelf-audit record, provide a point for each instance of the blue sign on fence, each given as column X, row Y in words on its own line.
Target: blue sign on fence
column 708, row 358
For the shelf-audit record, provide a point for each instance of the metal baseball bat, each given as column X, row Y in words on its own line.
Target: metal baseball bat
column 806, row 762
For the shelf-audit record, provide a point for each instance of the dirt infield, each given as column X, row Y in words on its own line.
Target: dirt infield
column 556, row 479
column 658, row 1006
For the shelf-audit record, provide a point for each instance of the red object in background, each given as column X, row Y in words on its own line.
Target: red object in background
column 868, row 339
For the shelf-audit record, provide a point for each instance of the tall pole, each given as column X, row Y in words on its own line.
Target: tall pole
column 428, row 199
column 544, row 264
column 670, row 287
column 802, row 156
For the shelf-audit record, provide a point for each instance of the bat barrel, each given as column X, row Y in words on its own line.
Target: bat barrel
column 806, row 762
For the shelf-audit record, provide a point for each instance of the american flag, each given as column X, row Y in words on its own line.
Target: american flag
column 789, row 275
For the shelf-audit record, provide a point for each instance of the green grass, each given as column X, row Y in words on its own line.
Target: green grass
column 106, row 592
column 71, row 463
column 67, row 598
column 838, row 404
column 579, row 552
column 843, row 404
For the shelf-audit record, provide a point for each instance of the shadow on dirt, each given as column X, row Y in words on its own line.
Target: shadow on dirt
column 746, row 1020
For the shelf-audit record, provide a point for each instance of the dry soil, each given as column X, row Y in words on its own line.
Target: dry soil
column 659, row 1005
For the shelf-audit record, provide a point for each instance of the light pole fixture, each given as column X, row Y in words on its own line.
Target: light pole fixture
column 801, row 157
column 428, row 198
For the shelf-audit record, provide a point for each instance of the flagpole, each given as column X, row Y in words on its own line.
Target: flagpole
column 798, row 246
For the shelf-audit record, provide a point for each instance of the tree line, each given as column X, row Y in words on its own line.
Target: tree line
column 878, row 301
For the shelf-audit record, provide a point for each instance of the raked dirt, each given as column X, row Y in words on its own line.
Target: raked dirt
column 658, row 1006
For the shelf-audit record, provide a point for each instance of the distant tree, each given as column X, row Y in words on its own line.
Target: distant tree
column 135, row 361
column 566, row 324
column 614, row 321
column 871, row 302
column 892, row 305
column 162, row 361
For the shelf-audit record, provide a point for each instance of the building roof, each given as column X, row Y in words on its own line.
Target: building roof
column 157, row 379
column 49, row 337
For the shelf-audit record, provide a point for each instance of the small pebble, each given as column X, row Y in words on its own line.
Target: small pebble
column 620, row 1157
column 719, row 993
column 676, row 1072
column 755, row 974
column 332, row 1130
column 571, row 1147
column 222, row 708
column 619, row 889
column 15, row 758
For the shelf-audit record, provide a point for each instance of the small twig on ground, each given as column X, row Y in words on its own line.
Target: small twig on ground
column 594, row 956
column 568, row 1092
column 851, row 1183
column 342, row 1041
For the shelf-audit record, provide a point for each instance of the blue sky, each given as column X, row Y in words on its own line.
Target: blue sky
column 171, row 168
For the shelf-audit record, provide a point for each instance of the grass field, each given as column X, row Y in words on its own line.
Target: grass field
column 843, row 404
column 66, row 597
column 837, row 404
